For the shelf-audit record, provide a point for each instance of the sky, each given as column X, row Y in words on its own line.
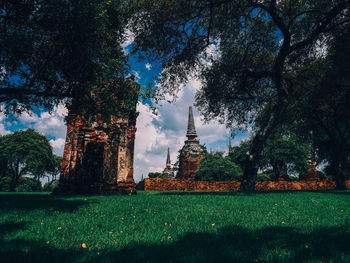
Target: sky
column 155, row 133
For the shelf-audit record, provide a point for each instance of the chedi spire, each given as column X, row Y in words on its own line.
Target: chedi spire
column 191, row 153
column 191, row 129
column 168, row 172
column 168, row 162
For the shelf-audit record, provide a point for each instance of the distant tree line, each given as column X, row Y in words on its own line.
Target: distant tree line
column 26, row 161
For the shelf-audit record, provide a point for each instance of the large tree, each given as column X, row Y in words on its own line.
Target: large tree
column 259, row 43
column 285, row 152
column 25, row 153
column 321, row 99
column 57, row 49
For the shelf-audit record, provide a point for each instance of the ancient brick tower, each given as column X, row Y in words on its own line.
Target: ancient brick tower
column 191, row 153
column 98, row 155
column 168, row 172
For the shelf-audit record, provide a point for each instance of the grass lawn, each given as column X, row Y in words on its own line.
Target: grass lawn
column 176, row 227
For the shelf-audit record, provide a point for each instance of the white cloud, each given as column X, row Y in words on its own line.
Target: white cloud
column 148, row 66
column 128, row 39
column 3, row 130
column 50, row 124
column 58, row 145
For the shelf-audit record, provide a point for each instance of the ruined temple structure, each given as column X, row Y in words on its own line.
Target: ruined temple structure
column 191, row 153
column 98, row 154
column 168, row 171
column 311, row 170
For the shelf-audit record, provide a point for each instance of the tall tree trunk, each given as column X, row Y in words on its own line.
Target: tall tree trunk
column 337, row 171
column 254, row 156
column 12, row 185
column 278, row 169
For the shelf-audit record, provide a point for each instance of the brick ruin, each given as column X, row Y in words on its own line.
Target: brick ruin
column 191, row 153
column 98, row 155
column 165, row 184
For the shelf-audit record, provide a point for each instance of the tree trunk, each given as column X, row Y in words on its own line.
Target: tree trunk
column 12, row 185
column 254, row 156
column 337, row 173
column 14, row 182
column 252, row 161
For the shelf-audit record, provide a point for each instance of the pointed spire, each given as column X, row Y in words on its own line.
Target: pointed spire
column 168, row 162
column 191, row 129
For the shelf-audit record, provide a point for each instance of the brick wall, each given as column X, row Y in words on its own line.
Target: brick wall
column 166, row 184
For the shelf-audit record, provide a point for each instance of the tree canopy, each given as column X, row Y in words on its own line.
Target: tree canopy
column 53, row 50
column 25, row 153
column 216, row 167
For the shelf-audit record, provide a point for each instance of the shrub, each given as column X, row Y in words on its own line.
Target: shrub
column 216, row 167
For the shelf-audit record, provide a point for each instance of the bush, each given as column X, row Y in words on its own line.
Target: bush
column 216, row 167
column 27, row 184
column 263, row 177
column 5, row 183
column 50, row 187
column 155, row 175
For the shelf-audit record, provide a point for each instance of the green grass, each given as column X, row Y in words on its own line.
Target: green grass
column 176, row 227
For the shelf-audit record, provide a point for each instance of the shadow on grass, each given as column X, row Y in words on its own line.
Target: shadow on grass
column 228, row 244
column 241, row 193
column 204, row 193
column 337, row 192
column 9, row 202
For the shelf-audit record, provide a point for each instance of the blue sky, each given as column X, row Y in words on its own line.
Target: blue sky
column 155, row 133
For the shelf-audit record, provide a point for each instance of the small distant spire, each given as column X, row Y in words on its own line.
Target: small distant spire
column 168, row 162
column 191, row 129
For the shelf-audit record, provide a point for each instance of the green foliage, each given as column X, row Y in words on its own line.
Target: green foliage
column 176, row 227
column 5, row 182
column 50, row 187
column 216, row 167
column 26, row 153
column 155, row 175
column 59, row 49
column 26, row 184
column 263, row 177
column 238, row 153
column 284, row 149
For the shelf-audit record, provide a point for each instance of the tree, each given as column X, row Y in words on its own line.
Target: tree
column 53, row 174
column 27, row 153
column 238, row 153
column 324, row 106
column 54, row 50
column 285, row 152
column 259, row 43
column 155, row 175
column 216, row 167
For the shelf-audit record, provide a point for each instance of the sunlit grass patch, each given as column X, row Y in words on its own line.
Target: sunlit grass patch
column 176, row 227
